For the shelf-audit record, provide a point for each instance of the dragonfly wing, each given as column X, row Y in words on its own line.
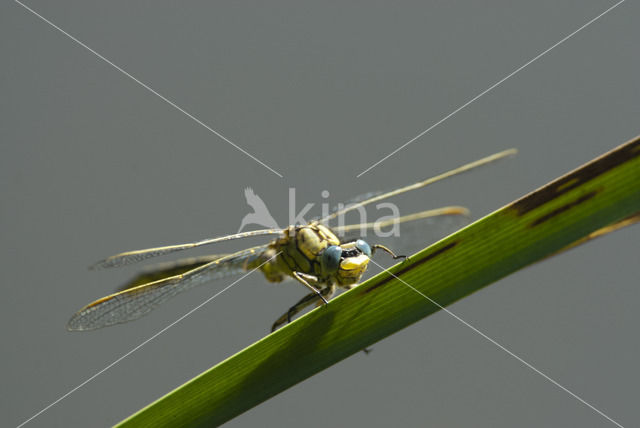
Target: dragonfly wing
column 409, row 233
column 376, row 197
column 164, row 270
column 136, row 256
column 131, row 304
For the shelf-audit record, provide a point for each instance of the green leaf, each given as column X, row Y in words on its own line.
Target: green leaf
column 540, row 224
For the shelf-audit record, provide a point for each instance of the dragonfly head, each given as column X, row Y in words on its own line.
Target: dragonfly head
column 347, row 262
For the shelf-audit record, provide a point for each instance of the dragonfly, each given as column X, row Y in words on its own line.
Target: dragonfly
column 312, row 254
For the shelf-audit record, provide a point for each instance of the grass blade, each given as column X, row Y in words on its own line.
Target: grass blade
column 600, row 193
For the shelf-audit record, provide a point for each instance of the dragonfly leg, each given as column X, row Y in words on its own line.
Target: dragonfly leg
column 307, row 300
column 304, row 279
column 387, row 250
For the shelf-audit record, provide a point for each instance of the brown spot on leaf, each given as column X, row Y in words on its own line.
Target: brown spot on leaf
column 564, row 208
column 589, row 171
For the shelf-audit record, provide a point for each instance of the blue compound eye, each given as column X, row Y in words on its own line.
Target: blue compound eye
column 364, row 247
column 331, row 258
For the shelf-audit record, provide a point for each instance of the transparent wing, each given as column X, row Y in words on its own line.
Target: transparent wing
column 131, row 304
column 164, row 270
column 380, row 196
column 409, row 233
column 354, row 200
column 360, row 227
column 136, row 256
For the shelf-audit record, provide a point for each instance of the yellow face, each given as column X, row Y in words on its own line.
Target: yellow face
column 351, row 269
column 346, row 263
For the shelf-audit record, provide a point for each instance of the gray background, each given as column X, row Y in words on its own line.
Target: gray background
column 92, row 163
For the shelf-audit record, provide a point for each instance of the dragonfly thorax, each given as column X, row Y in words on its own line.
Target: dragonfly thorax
column 315, row 250
column 299, row 249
